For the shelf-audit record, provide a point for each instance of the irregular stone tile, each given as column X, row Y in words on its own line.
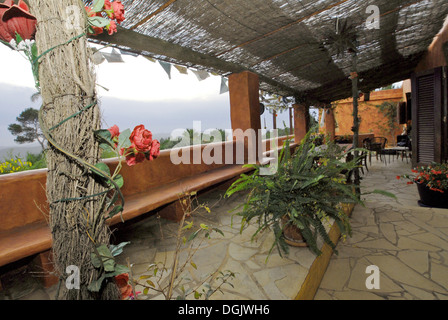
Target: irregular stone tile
column 431, row 239
column 408, row 243
column 304, row 257
column 441, row 296
column 266, row 279
column 439, row 273
column 323, row 295
column 274, row 260
column 240, row 253
column 419, row 293
column 356, row 295
column 356, row 237
column 369, row 230
column 390, row 216
column 438, row 220
column 416, row 259
column 252, row 265
column 379, row 244
column 408, row 226
column 349, row 251
column 336, row 275
column 388, row 231
column 291, row 283
column 244, row 283
column 400, row 272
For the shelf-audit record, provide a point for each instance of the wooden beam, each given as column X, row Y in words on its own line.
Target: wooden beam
column 163, row 7
column 140, row 42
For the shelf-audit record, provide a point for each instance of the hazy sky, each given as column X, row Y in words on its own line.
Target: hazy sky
column 140, row 92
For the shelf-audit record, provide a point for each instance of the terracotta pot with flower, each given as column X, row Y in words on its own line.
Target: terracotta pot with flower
column 432, row 184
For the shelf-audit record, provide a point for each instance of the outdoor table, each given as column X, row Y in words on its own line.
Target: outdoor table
column 403, row 151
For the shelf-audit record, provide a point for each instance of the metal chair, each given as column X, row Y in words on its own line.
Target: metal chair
column 378, row 145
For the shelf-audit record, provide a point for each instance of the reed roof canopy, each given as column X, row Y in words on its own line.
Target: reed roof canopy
column 293, row 46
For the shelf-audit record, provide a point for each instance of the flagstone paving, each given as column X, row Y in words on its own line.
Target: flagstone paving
column 408, row 243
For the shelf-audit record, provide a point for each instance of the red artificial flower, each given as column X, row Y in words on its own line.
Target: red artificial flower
column 398, row 177
column 134, row 157
column 155, row 150
column 90, row 13
column 16, row 19
column 108, row 9
column 118, row 11
column 112, row 28
column 122, row 281
column 114, row 131
column 141, row 138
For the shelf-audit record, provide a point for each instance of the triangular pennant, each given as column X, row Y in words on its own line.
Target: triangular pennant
column 322, row 120
column 224, row 87
column 181, row 69
column 167, row 67
column 114, row 56
column 201, row 74
column 98, row 58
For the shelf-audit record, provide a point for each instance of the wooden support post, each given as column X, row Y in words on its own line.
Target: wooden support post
column 330, row 124
column 245, row 106
column 274, row 120
column 291, row 125
column 301, row 122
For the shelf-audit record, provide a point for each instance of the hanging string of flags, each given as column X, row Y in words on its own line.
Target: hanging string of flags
column 115, row 56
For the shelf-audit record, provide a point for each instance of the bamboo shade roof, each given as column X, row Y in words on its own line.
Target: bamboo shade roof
column 284, row 42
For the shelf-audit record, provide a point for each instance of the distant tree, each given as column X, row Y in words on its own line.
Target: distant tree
column 27, row 129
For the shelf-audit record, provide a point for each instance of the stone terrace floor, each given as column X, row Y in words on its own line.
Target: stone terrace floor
column 408, row 244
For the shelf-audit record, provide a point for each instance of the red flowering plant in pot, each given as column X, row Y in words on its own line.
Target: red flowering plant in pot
column 432, row 184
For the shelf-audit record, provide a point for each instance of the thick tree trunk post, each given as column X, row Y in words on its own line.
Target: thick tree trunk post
column 355, row 129
column 67, row 81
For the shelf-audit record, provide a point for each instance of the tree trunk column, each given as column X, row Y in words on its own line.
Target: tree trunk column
column 67, row 84
column 301, row 121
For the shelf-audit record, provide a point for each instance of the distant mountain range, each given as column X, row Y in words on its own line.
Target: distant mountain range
column 20, row 151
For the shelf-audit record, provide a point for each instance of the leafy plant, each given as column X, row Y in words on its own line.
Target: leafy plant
column 103, row 258
column 308, row 190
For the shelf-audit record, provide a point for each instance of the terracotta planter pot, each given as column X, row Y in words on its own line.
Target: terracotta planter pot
column 430, row 198
column 292, row 234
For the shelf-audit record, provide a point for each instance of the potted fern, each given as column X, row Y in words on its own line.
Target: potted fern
column 305, row 193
